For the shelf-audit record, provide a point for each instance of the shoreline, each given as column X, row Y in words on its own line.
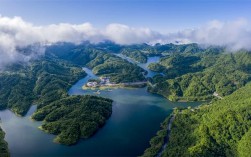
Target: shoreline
column 116, row 86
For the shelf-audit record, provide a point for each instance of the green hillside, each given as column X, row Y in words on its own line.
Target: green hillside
column 101, row 62
column 135, row 54
column 221, row 128
column 190, row 74
column 74, row 117
column 197, row 77
column 39, row 82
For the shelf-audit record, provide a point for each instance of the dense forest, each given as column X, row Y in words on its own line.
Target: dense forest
column 220, row 128
column 4, row 152
column 136, row 55
column 45, row 82
column 74, row 117
column 39, row 82
column 190, row 73
column 48, row 79
column 101, row 62
column 193, row 77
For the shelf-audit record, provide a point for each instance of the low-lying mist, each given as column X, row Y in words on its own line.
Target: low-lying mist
column 16, row 34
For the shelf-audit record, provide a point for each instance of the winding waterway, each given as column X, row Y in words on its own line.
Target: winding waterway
column 150, row 60
column 136, row 117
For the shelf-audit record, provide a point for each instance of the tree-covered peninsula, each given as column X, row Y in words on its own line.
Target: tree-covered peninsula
column 74, row 117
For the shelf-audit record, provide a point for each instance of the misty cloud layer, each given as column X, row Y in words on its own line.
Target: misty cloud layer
column 15, row 32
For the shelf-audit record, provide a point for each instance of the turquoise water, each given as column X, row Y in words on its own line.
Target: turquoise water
column 136, row 117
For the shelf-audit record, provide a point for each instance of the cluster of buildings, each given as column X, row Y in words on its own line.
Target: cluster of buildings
column 103, row 81
column 92, row 84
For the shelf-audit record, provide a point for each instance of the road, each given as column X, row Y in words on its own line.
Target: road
column 167, row 136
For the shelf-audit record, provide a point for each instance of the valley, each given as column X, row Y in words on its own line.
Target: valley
column 125, row 78
column 168, row 78
column 136, row 115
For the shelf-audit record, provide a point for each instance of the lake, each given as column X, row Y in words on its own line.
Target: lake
column 136, row 118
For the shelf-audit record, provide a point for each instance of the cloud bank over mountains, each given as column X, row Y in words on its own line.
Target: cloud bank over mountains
column 15, row 32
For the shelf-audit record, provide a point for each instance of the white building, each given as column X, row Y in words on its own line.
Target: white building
column 92, row 84
column 104, row 80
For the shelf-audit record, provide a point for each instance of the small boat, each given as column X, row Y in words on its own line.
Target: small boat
column 109, row 90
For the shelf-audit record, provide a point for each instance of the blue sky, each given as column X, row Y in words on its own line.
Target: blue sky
column 206, row 22
column 159, row 15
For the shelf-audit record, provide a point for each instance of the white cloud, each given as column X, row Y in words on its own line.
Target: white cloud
column 235, row 35
column 15, row 32
column 123, row 34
